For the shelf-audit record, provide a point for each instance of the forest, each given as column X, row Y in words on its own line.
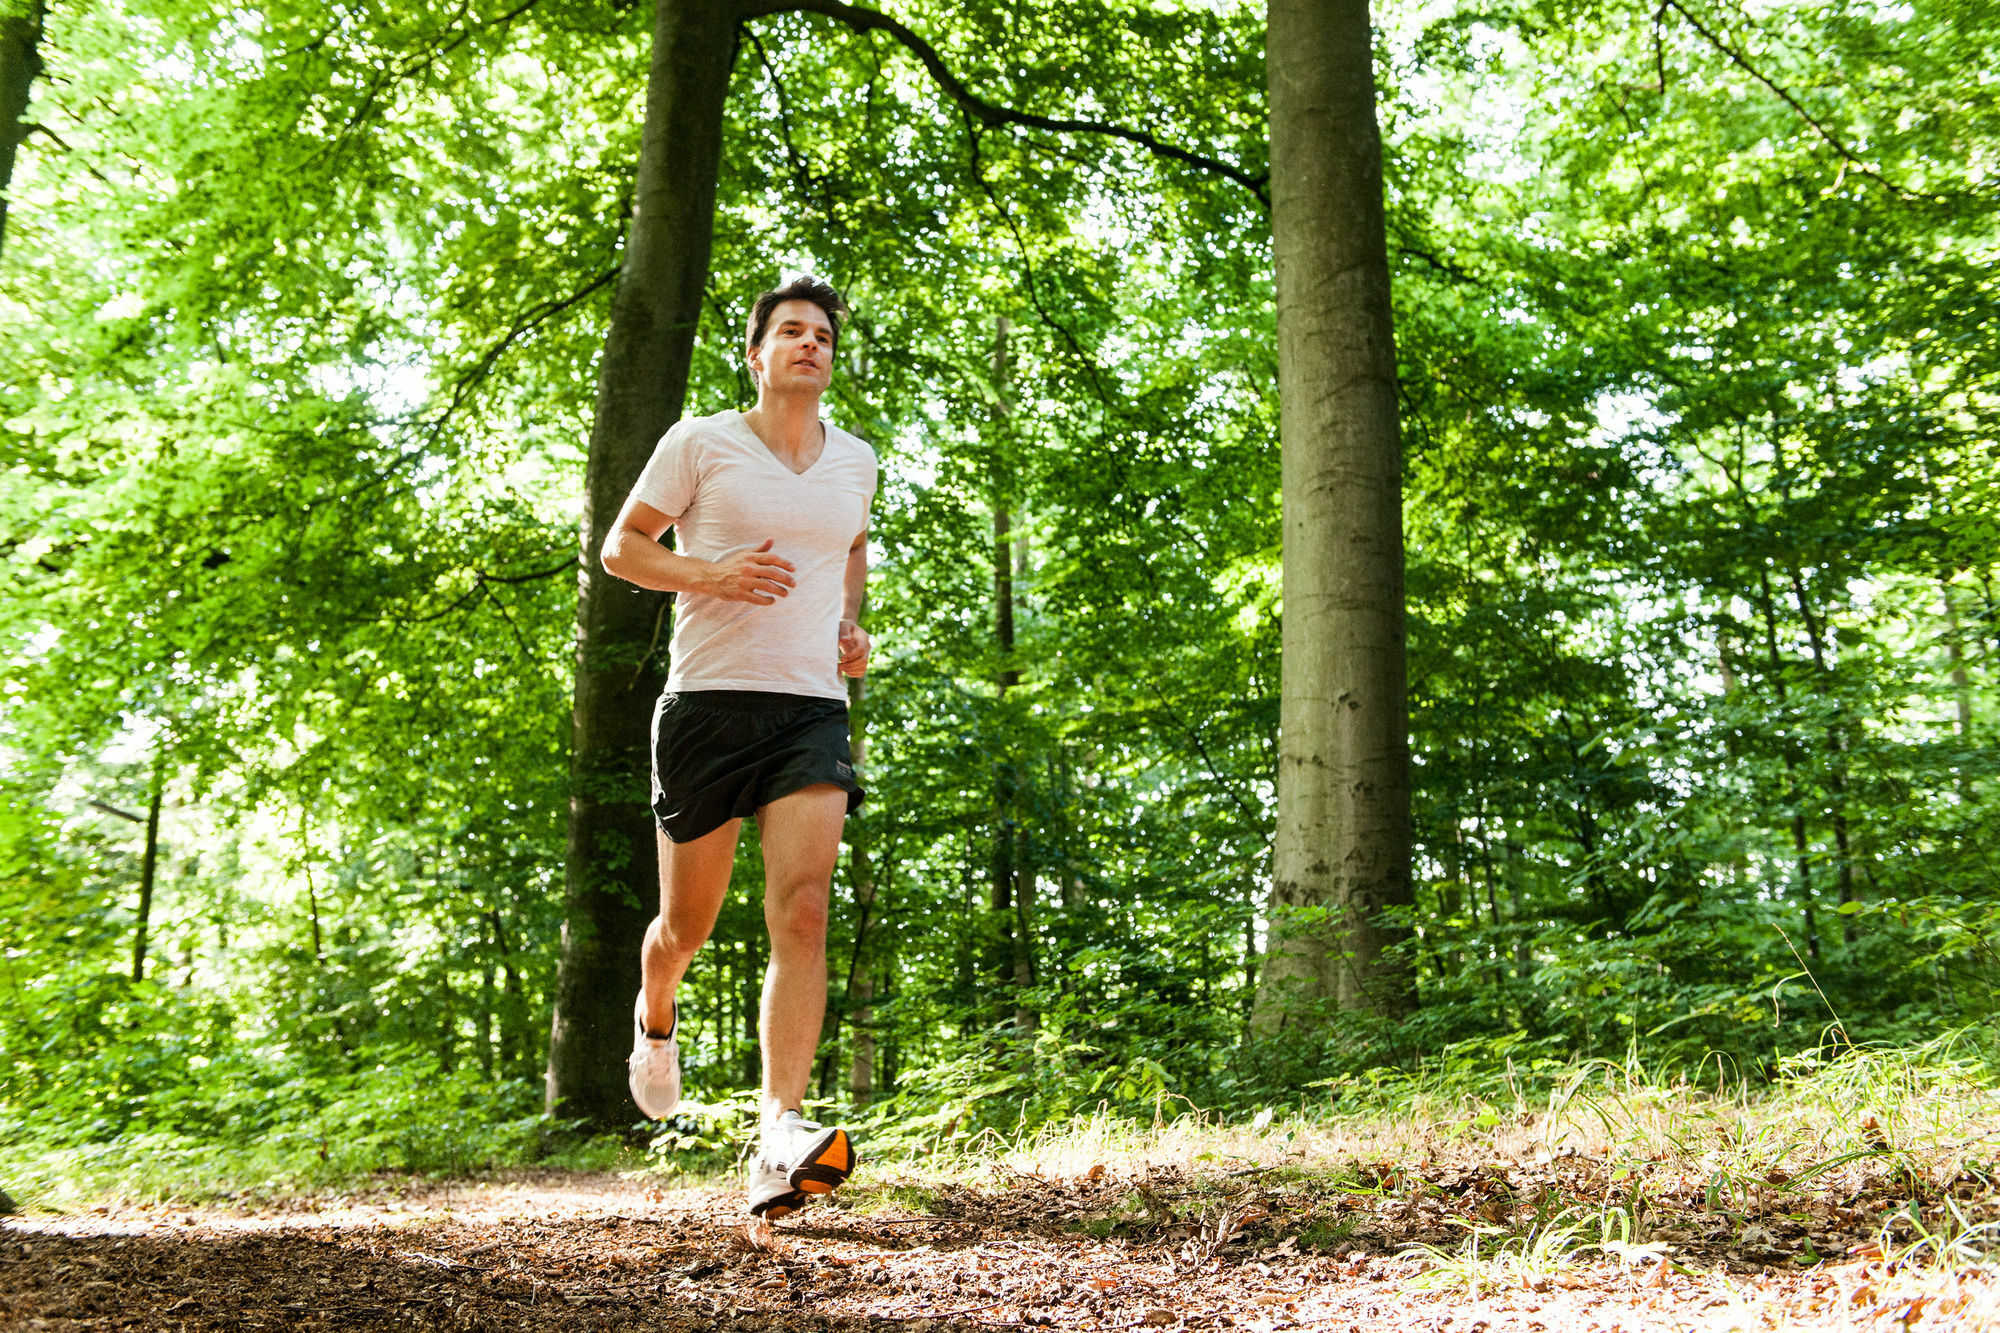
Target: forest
column 329, row 329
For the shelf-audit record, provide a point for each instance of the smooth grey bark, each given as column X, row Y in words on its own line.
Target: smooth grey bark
column 621, row 630
column 20, row 66
column 861, row 1046
column 1342, row 855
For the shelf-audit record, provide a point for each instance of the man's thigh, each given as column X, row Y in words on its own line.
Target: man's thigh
column 800, row 833
column 694, row 875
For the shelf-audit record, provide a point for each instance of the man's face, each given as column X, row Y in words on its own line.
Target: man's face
column 797, row 351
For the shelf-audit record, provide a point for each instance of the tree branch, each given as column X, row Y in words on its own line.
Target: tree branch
column 396, row 71
column 866, row 20
column 482, row 587
column 800, row 172
column 1742, row 62
column 469, row 379
column 36, row 127
column 520, row 639
column 568, row 562
column 525, row 322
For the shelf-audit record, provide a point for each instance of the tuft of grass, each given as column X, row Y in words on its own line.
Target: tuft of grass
column 1955, row 1243
column 868, row 1196
column 1315, row 1175
column 1494, row 1259
column 1326, row 1234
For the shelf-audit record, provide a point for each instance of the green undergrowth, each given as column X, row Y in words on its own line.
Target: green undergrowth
column 273, row 1137
column 1912, row 1116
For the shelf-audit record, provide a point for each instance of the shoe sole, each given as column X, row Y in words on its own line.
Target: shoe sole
column 781, row 1204
column 826, row 1167
column 667, row 1105
column 673, row 1037
column 660, row 1114
column 774, row 1197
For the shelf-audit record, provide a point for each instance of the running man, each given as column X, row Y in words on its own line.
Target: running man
column 772, row 507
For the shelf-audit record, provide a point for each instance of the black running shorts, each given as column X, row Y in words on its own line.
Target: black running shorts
column 720, row 754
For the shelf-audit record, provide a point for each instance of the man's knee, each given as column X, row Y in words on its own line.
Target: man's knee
column 797, row 913
column 679, row 939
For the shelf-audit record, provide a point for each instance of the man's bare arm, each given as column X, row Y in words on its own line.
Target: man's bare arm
column 854, row 584
column 854, row 641
column 633, row 552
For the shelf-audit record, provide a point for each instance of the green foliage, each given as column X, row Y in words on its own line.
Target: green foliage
column 266, row 1130
column 299, row 311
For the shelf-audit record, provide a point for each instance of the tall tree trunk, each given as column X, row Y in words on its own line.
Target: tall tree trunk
column 312, row 907
column 488, row 1053
column 750, row 997
column 1343, row 847
column 861, row 1046
column 1000, row 897
column 1961, row 682
column 1013, row 880
column 148, row 863
column 1794, row 792
column 1836, row 744
column 312, row 894
column 515, row 1038
column 20, row 66
column 642, row 382
column 1025, row 878
column 1515, row 863
column 447, row 1037
column 1954, row 645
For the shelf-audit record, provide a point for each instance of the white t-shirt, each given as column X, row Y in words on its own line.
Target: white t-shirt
column 726, row 492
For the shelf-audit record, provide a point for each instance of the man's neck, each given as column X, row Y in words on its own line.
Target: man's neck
column 788, row 424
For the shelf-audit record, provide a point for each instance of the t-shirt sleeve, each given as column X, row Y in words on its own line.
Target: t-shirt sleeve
column 668, row 481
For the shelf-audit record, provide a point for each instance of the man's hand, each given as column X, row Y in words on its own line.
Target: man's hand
column 854, row 646
column 754, row 576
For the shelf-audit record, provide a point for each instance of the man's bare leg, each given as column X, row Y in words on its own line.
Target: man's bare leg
column 694, row 879
column 801, row 838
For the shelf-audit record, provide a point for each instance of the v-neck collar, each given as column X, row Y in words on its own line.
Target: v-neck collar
column 825, row 443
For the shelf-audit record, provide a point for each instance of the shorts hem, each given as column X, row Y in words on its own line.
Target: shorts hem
column 856, row 796
column 856, row 793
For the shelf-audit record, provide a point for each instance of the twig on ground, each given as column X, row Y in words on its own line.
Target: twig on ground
column 943, row 1314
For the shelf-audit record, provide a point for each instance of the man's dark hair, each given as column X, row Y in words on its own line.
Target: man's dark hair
column 803, row 288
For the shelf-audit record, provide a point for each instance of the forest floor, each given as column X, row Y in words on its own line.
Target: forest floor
column 1852, row 1201
column 1266, row 1249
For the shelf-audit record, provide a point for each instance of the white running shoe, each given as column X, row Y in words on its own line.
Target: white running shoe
column 654, row 1067
column 814, row 1158
column 771, row 1194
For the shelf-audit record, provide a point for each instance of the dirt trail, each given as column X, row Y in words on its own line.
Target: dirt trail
column 572, row 1252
